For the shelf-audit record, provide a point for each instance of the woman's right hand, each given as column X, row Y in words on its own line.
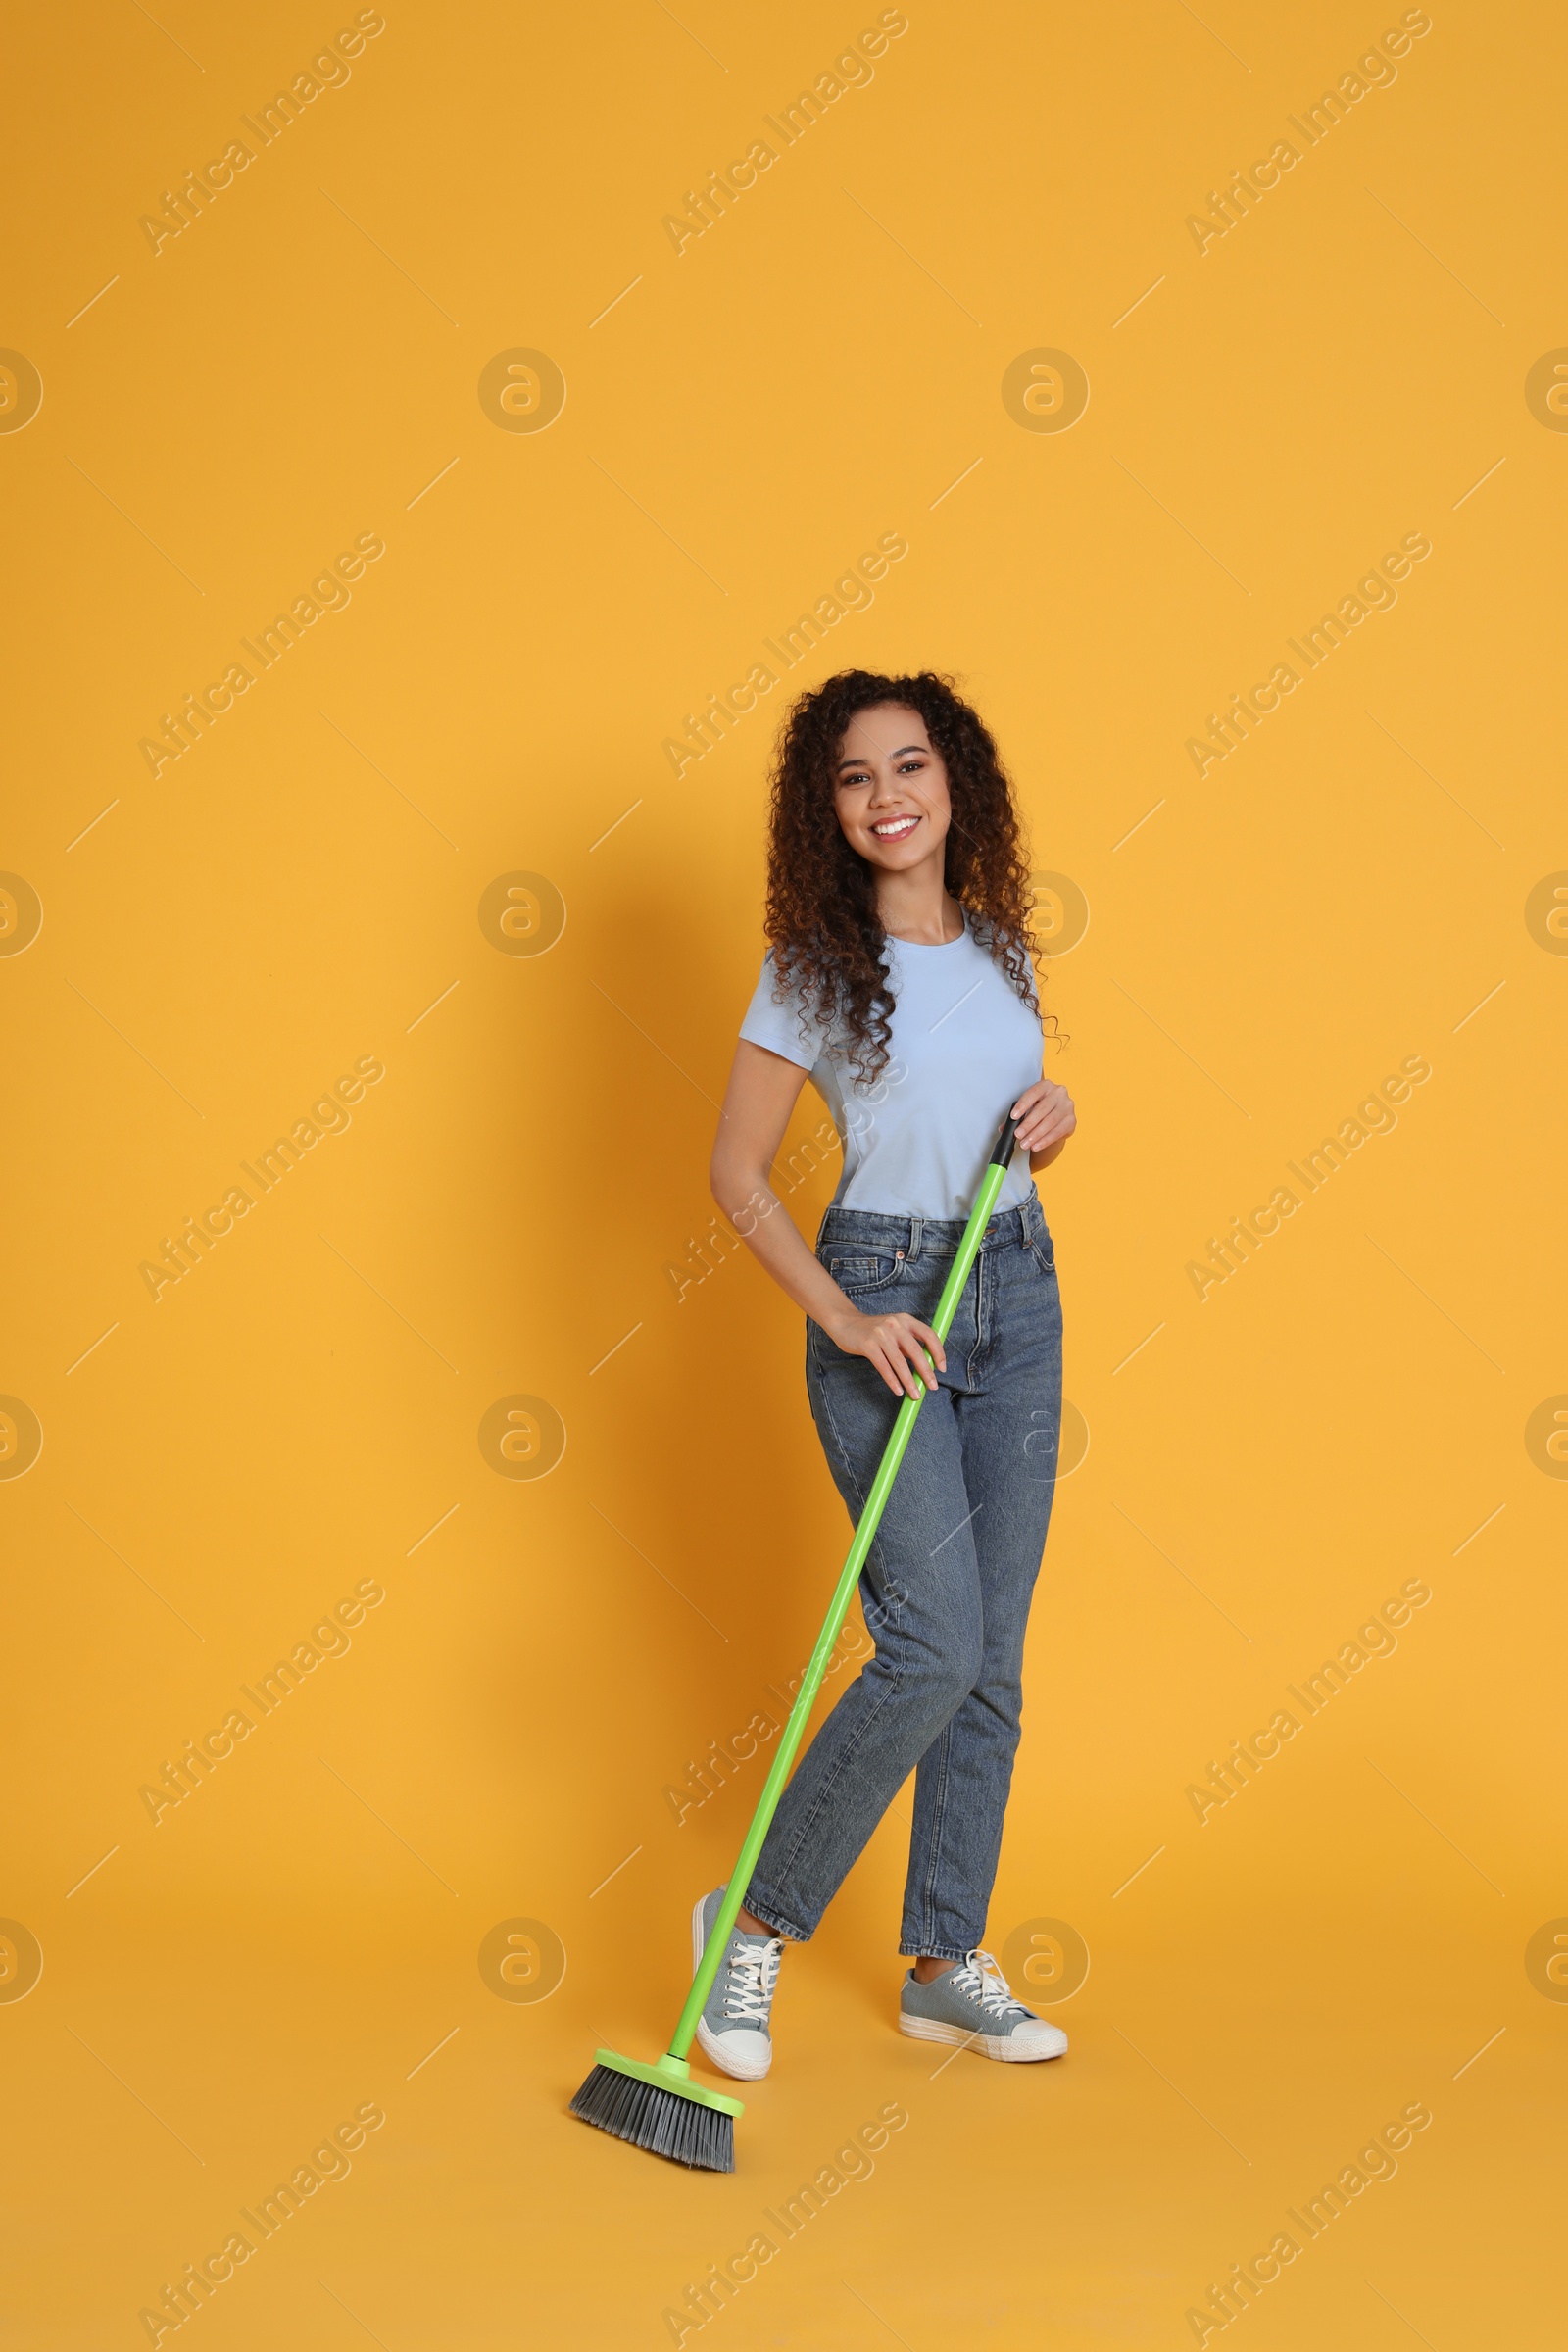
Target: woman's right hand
column 896, row 1345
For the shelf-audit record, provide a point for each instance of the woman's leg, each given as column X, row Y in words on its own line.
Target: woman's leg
column 1008, row 1421
column 921, row 1595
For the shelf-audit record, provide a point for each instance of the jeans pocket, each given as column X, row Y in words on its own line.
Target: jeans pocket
column 864, row 1271
column 1045, row 1253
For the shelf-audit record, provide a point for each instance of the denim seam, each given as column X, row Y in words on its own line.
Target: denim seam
column 864, row 1288
column 770, row 1915
column 939, row 1802
column 977, row 1352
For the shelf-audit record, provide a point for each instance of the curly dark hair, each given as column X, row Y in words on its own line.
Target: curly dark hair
column 821, row 920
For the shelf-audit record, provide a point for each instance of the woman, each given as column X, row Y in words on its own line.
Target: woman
column 900, row 979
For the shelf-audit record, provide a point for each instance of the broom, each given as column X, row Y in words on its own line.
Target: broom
column 658, row 2107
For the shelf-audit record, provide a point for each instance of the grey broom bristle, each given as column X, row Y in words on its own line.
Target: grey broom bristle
column 662, row 2122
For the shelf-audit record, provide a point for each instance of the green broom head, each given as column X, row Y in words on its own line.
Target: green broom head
column 661, row 2109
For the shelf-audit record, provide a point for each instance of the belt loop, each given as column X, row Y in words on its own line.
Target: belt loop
column 916, row 1228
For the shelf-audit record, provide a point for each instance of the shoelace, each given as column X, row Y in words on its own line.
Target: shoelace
column 752, row 1976
column 980, row 1977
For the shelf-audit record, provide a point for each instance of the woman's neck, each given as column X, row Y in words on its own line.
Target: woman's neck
column 918, row 907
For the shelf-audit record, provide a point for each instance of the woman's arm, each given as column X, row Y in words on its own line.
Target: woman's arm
column 763, row 1089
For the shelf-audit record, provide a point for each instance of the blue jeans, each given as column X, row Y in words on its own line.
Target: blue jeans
column 947, row 1581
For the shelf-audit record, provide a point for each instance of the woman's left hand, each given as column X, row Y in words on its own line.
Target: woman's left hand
column 1045, row 1118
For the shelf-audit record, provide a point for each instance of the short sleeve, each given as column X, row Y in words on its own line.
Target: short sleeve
column 776, row 1026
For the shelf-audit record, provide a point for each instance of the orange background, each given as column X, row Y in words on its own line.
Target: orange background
column 300, row 890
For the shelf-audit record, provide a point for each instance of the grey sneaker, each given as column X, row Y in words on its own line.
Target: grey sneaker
column 732, row 2029
column 973, row 2004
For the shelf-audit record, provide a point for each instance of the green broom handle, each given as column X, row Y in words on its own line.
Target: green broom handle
column 870, row 1519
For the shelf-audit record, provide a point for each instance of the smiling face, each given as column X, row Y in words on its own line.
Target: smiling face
column 891, row 788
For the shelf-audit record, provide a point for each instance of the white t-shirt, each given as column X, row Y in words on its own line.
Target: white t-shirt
column 962, row 1049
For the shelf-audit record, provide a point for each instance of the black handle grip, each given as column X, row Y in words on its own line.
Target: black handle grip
column 1002, row 1154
